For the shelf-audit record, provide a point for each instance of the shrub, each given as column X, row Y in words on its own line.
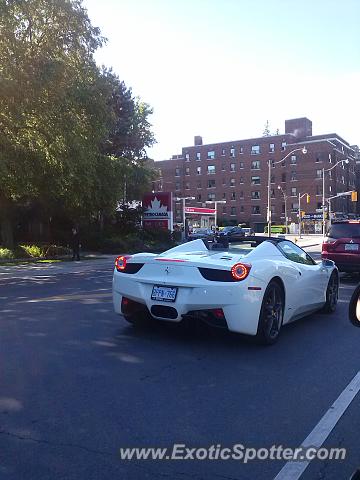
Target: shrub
column 33, row 251
column 5, row 253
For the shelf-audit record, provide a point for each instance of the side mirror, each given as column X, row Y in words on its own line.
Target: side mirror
column 327, row 263
column 354, row 307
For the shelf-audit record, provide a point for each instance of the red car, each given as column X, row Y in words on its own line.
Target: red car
column 342, row 245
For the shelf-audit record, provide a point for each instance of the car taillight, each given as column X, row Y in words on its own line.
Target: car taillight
column 240, row 271
column 328, row 244
column 120, row 262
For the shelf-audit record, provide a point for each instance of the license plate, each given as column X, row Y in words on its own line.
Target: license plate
column 164, row 294
column 351, row 247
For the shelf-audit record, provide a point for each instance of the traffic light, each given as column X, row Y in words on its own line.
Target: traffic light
column 307, row 198
column 302, row 213
column 354, row 196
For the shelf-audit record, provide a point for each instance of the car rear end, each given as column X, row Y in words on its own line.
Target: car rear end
column 342, row 245
column 215, row 287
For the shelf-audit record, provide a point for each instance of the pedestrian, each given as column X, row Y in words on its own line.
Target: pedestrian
column 75, row 244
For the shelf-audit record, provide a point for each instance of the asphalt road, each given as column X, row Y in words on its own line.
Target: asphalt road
column 77, row 383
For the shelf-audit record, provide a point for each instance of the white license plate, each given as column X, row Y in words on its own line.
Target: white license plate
column 164, row 294
column 351, row 247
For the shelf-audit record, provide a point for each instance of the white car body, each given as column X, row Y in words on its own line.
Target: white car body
column 304, row 285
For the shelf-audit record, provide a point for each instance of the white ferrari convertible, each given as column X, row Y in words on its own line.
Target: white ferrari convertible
column 253, row 286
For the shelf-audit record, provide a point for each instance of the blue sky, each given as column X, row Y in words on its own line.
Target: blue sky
column 221, row 68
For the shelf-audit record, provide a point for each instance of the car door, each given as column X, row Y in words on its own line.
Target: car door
column 312, row 277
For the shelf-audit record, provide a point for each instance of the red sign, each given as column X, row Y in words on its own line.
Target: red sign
column 200, row 210
column 157, row 210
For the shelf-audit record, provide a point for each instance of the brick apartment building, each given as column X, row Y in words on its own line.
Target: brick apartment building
column 237, row 172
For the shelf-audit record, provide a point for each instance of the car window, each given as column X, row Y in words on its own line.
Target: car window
column 295, row 253
column 344, row 230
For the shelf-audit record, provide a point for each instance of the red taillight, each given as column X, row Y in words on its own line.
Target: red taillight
column 328, row 246
column 120, row 262
column 218, row 313
column 240, row 271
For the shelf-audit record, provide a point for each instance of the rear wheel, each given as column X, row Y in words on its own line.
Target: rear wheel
column 271, row 314
column 332, row 294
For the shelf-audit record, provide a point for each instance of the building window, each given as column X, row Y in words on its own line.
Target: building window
column 232, row 152
column 319, row 173
column 255, row 195
column 187, row 186
column 255, row 149
column 330, row 188
column 318, row 158
column 255, row 165
column 187, row 157
column 241, row 194
column 199, row 184
column 223, row 167
column 233, row 211
column 255, row 180
column 241, row 150
column 293, row 160
column 211, row 155
column 241, row 164
column 242, row 208
column 199, row 197
column 318, row 190
column 198, row 170
column 224, row 181
column 319, row 206
column 177, row 172
column 211, row 196
column 232, row 182
column 293, row 176
column 232, row 167
column 198, row 156
column 187, row 171
column 211, row 183
column 283, row 177
column 224, row 195
column 241, row 180
column 177, row 185
column 283, row 146
column 294, row 207
column 224, row 209
column 256, row 209
column 273, row 163
column 223, row 152
column 293, row 192
column 233, row 196
column 272, row 179
column 272, row 147
column 211, row 169
column 272, row 193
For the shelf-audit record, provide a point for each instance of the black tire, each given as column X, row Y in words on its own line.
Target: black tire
column 271, row 314
column 332, row 294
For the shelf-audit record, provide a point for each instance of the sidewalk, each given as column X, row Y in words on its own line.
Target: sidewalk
column 306, row 240
column 30, row 270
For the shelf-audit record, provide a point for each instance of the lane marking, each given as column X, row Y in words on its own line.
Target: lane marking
column 294, row 469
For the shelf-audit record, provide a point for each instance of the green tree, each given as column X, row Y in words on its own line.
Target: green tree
column 53, row 106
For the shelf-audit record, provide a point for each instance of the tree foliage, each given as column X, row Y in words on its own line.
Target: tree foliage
column 68, row 131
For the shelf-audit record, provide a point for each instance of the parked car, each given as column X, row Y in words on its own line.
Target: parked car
column 254, row 286
column 231, row 233
column 202, row 233
column 342, row 245
column 248, row 231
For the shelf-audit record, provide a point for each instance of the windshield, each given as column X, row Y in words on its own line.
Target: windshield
column 227, row 229
column 200, row 230
column 344, row 230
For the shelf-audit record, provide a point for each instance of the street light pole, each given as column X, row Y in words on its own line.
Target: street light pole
column 299, row 214
column 285, row 200
column 304, row 151
column 183, row 200
column 323, row 191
